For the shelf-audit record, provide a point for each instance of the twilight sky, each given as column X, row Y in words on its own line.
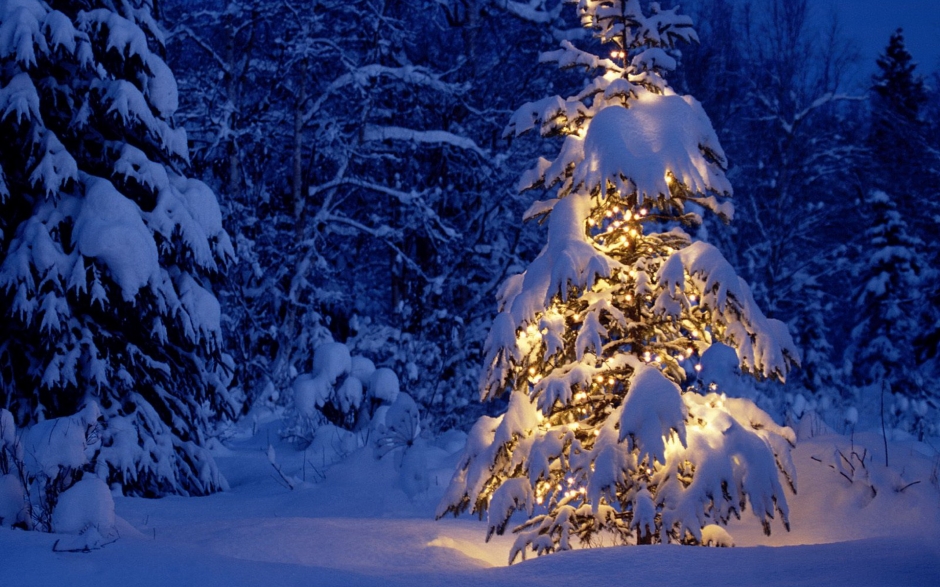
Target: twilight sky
column 871, row 22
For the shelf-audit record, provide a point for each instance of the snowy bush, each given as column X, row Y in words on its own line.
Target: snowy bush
column 108, row 251
column 48, row 480
column 344, row 392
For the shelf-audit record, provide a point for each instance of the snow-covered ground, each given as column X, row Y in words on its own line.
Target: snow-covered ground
column 355, row 526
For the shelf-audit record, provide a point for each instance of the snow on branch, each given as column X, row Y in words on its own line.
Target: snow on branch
column 433, row 137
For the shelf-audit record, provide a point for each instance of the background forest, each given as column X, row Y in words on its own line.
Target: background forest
column 358, row 153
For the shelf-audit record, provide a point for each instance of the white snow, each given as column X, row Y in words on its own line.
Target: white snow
column 87, row 504
column 109, row 228
column 656, row 135
column 359, row 527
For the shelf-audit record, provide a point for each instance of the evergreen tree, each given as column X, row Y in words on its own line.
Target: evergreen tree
column 888, row 302
column 107, row 249
column 902, row 161
column 595, row 339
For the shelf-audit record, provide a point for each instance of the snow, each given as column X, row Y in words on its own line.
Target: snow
column 110, row 228
column 87, row 504
column 655, row 136
column 359, row 527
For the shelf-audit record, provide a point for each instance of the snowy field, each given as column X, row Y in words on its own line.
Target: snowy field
column 355, row 526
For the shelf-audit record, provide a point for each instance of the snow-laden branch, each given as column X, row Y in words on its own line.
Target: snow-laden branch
column 432, row 137
column 533, row 11
column 382, row 233
column 363, row 75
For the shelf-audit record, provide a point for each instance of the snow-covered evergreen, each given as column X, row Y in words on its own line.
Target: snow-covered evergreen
column 596, row 338
column 107, row 248
column 889, row 303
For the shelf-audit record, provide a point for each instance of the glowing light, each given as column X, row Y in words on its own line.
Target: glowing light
column 580, row 396
column 643, row 211
column 611, row 381
column 600, row 379
column 698, row 367
column 689, row 352
column 570, row 480
column 532, row 370
column 693, row 298
column 713, row 386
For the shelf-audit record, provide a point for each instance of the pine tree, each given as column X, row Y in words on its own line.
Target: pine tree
column 899, row 148
column 888, row 301
column 107, row 249
column 595, row 339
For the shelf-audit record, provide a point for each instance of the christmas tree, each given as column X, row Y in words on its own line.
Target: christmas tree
column 596, row 339
column 107, row 249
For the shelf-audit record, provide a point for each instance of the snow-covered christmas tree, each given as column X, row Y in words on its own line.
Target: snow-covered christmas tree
column 596, row 339
column 107, row 249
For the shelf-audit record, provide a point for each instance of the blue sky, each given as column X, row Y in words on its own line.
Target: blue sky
column 871, row 22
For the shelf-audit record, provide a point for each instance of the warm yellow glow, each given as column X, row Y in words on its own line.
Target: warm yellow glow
column 532, row 370
column 698, row 367
column 580, row 396
column 643, row 211
column 611, row 381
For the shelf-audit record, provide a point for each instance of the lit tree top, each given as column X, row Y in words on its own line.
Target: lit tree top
column 594, row 338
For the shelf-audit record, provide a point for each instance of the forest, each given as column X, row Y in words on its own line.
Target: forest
column 389, row 227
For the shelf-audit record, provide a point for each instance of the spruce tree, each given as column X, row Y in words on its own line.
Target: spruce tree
column 107, row 248
column 900, row 156
column 596, row 339
column 889, row 300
